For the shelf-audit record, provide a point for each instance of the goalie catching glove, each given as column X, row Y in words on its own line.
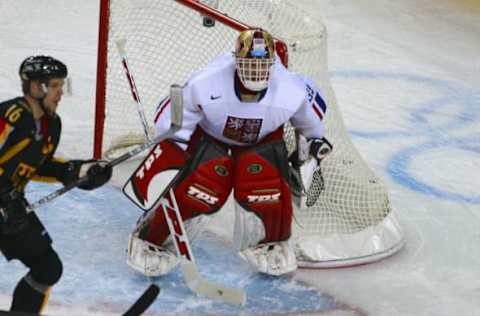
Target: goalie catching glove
column 97, row 172
column 303, row 168
column 318, row 148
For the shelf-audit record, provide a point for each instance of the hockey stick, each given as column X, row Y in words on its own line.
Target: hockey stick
column 137, row 309
column 144, row 301
column 175, row 124
column 133, row 87
column 191, row 275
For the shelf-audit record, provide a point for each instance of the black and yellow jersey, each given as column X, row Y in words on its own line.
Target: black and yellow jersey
column 27, row 146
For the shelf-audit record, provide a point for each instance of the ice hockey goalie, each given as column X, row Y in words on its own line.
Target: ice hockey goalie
column 231, row 140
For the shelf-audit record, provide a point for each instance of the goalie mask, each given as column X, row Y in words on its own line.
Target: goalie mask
column 254, row 57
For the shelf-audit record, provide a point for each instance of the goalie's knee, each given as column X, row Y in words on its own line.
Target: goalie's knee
column 206, row 179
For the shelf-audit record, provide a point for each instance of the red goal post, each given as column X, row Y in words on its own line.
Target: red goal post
column 352, row 221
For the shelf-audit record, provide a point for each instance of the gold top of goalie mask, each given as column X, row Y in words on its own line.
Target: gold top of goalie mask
column 254, row 56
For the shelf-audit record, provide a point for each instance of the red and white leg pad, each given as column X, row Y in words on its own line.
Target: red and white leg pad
column 263, row 214
column 144, row 187
column 201, row 188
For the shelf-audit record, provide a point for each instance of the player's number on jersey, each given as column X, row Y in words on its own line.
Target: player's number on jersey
column 14, row 113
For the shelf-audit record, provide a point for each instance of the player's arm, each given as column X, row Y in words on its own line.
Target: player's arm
column 309, row 125
column 311, row 142
column 68, row 171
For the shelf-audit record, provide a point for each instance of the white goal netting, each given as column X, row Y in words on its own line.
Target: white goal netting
column 351, row 222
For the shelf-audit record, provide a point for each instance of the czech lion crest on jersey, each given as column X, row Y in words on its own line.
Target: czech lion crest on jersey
column 242, row 130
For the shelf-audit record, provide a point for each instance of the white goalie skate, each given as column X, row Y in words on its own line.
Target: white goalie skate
column 149, row 259
column 152, row 260
column 274, row 258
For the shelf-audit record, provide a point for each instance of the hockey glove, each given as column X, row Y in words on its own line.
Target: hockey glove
column 71, row 169
column 319, row 148
column 97, row 172
column 303, row 169
column 13, row 213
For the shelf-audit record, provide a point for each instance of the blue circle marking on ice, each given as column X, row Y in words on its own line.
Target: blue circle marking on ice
column 466, row 104
column 450, row 94
column 398, row 168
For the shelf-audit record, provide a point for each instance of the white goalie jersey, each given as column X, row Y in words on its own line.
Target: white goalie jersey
column 212, row 102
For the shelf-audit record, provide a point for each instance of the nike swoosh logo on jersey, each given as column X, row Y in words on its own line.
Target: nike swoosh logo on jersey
column 215, row 97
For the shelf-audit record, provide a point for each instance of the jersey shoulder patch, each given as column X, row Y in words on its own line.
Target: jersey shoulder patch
column 316, row 100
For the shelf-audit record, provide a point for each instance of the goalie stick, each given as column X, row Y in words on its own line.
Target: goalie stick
column 189, row 269
column 133, row 87
column 193, row 279
column 175, row 124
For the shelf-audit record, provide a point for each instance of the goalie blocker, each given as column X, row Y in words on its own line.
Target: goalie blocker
column 202, row 178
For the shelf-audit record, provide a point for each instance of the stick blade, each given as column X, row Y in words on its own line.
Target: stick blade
column 144, row 301
column 176, row 98
column 210, row 289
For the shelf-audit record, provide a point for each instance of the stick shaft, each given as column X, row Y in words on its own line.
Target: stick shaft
column 133, row 87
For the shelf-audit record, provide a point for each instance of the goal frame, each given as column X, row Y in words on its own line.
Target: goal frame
column 353, row 206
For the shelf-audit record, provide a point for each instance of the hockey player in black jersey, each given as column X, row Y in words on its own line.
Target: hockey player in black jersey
column 29, row 134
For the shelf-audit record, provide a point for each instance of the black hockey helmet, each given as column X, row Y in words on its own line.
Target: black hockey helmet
column 42, row 68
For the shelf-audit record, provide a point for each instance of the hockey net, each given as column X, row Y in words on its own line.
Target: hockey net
column 352, row 221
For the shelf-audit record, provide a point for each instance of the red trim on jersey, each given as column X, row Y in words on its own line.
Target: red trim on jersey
column 44, row 126
column 5, row 130
column 3, row 126
column 319, row 113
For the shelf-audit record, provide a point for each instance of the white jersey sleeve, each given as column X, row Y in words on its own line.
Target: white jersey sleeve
column 309, row 118
column 192, row 110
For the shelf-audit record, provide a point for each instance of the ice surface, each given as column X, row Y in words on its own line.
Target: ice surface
column 407, row 78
